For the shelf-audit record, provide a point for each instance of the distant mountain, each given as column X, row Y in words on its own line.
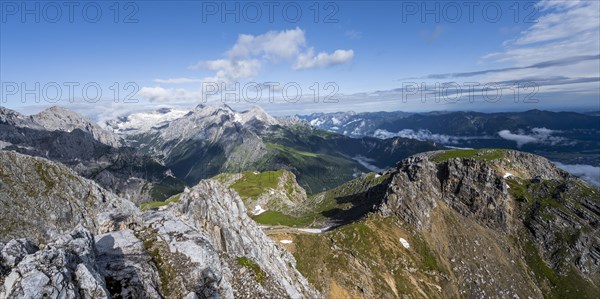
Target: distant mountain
column 351, row 123
column 568, row 137
column 66, row 137
column 145, row 121
column 210, row 140
column 62, row 119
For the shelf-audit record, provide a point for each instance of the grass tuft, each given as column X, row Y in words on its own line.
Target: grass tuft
column 259, row 275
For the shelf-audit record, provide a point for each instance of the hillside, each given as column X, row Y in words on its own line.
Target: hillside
column 458, row 223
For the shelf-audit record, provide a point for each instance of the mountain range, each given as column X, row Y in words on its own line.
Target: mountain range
column 215, row 203
column 567, row 137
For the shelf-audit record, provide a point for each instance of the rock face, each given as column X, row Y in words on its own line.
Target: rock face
column 42, row 199
column 65, row 268
column 204, row 246
column 14, row 118
column 220, row 212
column 413, row 192
column 500, row 197
column 475, row 188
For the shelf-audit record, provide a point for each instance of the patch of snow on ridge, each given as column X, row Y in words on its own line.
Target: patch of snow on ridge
column 4, row 144
column 316, row 122
column 286, row 242
column 508, row 174
column 404, row 243
column 258, row 210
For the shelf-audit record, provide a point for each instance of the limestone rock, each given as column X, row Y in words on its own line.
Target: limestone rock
column 63, row 269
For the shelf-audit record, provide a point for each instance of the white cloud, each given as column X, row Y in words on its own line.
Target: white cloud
column 162, row 94
column 538, row 135
column 273, row 45
column 177, row 80
column 424, row 135
column 564, row 29
column 563, row 19
column 308, row 59
column 228, row 70
column 588, row 173
column 250, row 52
column 367, row 163
column 518, row 138
column 353, row 34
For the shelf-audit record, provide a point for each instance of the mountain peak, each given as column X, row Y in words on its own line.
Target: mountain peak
column 57, row 118
column 14, row 118
column 257, row 113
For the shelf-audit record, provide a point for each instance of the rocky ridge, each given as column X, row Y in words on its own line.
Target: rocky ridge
column 203, row 246
column 515, row 195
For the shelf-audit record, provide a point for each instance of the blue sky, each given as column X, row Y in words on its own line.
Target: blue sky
column 373, row 51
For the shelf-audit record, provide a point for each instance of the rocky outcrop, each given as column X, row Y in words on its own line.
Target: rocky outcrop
column 475, row 187
column 14, row 118
column 202, row 247
column 413, row 191
column 42, row 199
column 527, row 204
column 476, row 190
column 272, row 190
column 127, row 266
column 65, row 268
column 211, row 208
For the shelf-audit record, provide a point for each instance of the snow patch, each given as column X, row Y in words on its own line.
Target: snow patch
column 316, row 122
column 404, row 243
column 508, row 174
column 145, row 121
column 286, row 242
column 4, row 144
column 258, row 210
